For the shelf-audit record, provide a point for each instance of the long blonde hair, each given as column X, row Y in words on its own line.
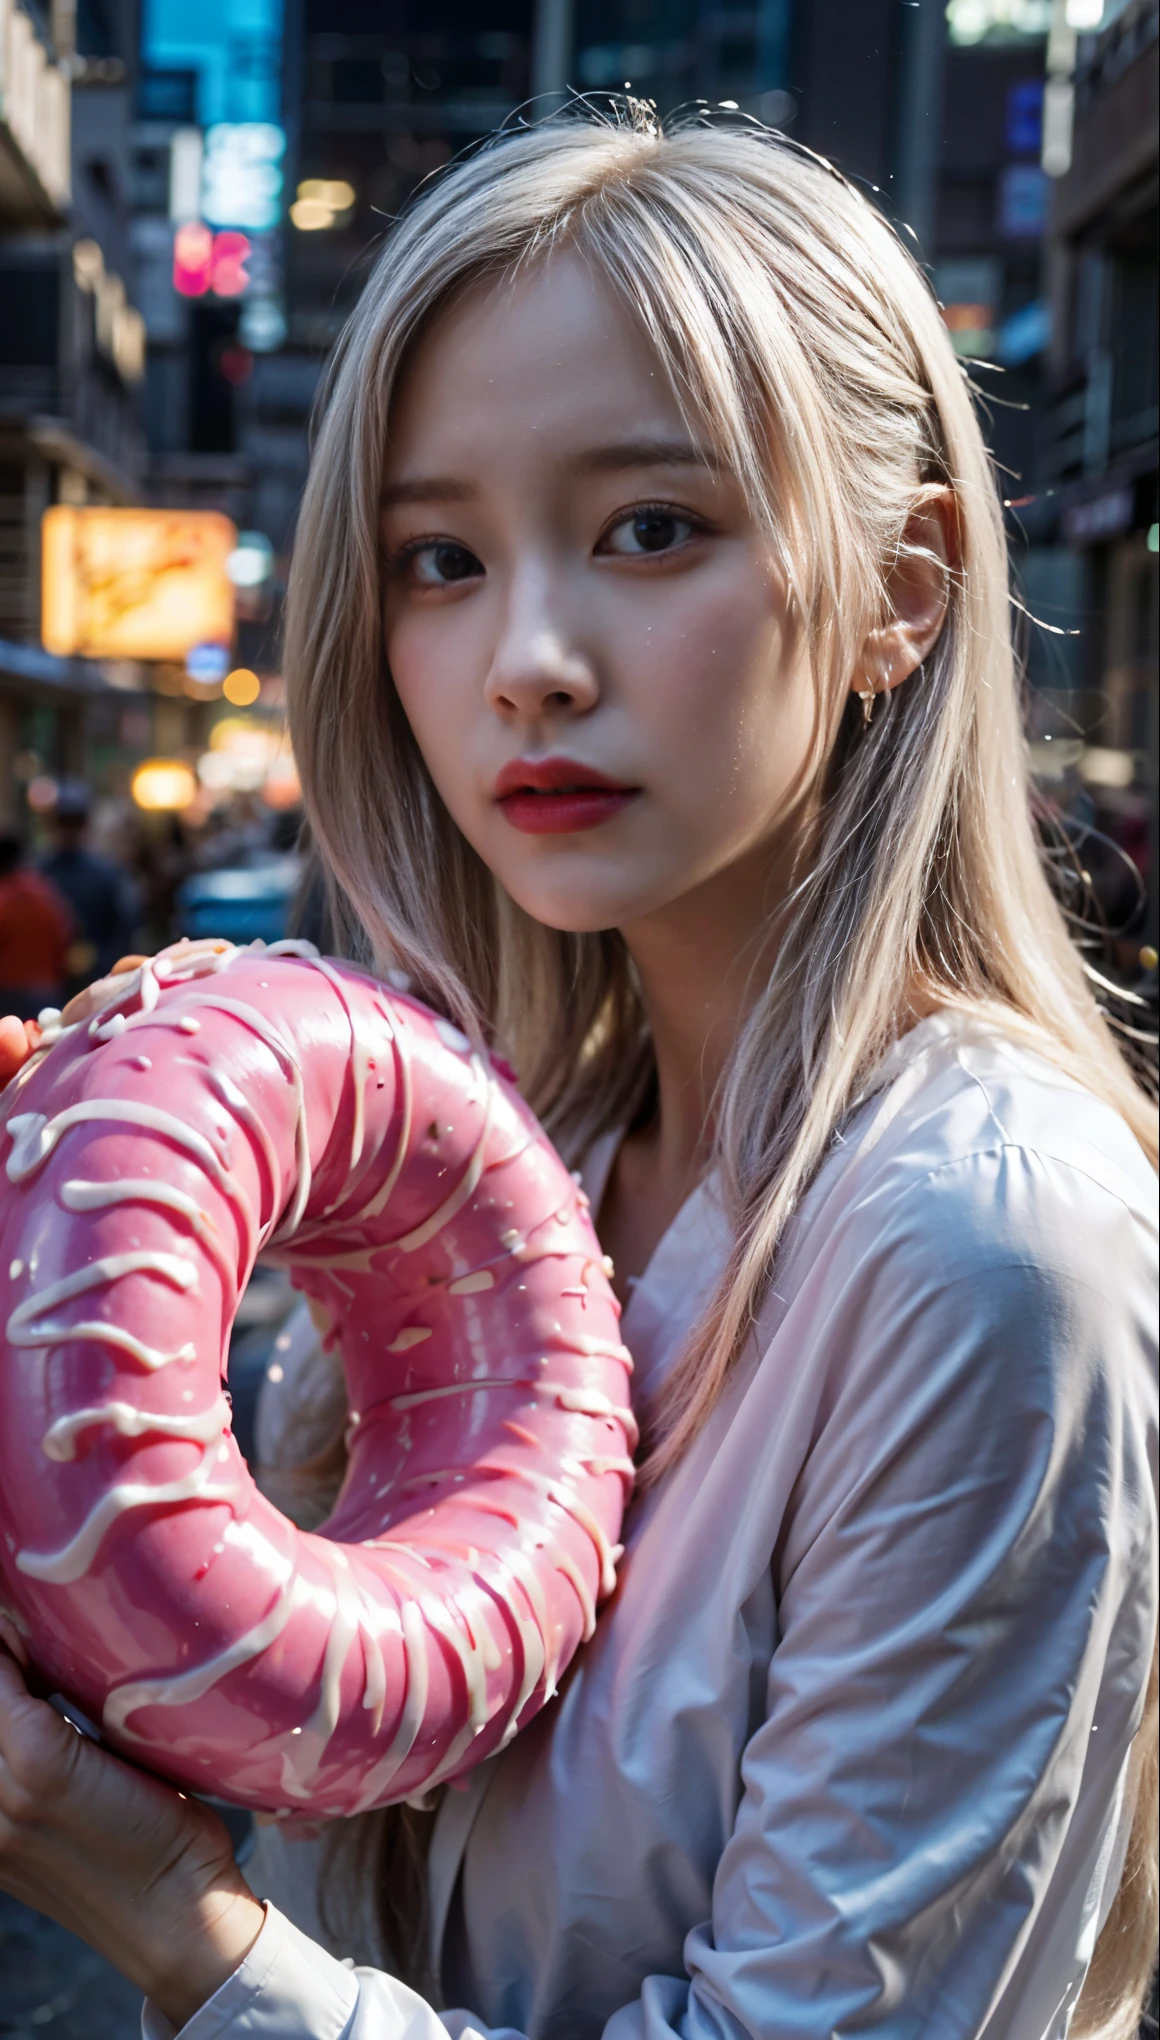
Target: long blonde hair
column 800, row 334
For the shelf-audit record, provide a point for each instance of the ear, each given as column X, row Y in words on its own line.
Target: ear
column 918, row 588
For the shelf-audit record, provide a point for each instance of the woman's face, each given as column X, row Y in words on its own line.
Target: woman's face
column 585, row 625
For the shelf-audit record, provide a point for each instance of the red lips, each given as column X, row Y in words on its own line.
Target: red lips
column 555, row 796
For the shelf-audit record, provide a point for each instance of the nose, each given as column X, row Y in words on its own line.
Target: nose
column 538, row 668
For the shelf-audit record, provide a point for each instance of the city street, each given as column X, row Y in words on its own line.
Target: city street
column 52, row 1984
column 192, row 196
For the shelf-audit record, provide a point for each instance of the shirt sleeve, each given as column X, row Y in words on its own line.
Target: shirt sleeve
column 967, row 1613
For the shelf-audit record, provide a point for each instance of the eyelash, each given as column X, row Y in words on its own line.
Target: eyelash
column 397, row 562
column 698, row 526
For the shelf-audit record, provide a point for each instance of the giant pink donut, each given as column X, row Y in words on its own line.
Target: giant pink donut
column 233, row 1102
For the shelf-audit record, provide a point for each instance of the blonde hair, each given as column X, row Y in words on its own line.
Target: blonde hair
column 802, row 337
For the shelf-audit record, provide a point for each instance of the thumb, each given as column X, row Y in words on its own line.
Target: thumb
column 18, row 1038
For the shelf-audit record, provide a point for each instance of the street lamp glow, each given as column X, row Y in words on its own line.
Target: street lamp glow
column 310, row 214
column 321, row 202
column 163, row 785
column 332, row 191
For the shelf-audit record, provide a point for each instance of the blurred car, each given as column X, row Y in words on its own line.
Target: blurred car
column 247, row 903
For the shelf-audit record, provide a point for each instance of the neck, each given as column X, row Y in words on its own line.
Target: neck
column 701, row 962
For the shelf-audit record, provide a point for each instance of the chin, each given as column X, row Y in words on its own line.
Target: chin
column 572, row 917
column 586, row 909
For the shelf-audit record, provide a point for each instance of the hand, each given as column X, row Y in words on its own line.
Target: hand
column 19, row 1038
column 142, row 1873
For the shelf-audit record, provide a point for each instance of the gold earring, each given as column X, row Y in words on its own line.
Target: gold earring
column 867, row 698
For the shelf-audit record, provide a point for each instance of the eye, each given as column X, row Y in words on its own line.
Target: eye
column 650, row 530
column 440, row 564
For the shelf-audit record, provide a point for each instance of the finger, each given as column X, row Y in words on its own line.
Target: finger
column 18, row 1038
column 18, row 1707
column 11, row 1640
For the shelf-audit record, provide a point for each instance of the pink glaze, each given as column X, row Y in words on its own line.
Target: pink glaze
column 242, row 1101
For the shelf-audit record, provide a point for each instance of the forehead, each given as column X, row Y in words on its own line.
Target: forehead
column 545, row 361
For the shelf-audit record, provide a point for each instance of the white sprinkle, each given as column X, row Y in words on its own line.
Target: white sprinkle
column 451, row 1037
column 274, row 1372
column 15, row 1270
column 143, row 1062
column 188, row 1025
column 411, row 1335
column 471, row 1285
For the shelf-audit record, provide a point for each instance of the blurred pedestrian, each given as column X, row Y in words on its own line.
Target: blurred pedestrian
column 36, row 930
column 100, row 895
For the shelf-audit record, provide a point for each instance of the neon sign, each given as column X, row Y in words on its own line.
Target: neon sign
column 204, row 261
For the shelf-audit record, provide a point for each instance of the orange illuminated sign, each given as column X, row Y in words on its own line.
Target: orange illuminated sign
column 135, row 584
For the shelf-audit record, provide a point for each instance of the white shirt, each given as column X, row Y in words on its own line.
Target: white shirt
column 847, row 1753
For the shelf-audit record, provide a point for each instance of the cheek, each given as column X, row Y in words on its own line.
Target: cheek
column 431, row 664
column 721, row 686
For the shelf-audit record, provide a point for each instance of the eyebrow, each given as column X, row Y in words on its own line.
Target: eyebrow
column 425, row 489
column 634, row 453
column 599, row 460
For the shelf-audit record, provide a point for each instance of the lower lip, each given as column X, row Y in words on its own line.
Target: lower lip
column 561, row 814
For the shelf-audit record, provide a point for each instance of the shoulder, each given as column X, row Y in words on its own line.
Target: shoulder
column 993, row 1150
column 982, row 1212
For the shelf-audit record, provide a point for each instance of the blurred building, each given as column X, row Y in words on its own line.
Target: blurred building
column 1105, row 419
column 71, row 358
column 181, row 266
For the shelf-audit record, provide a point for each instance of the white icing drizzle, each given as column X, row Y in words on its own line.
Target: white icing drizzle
column 386, row 1188
column 34, row 1136
column 73, row 1559
column 589, row 1402
column 284, row 1053
column 78, row 1195
column 421, row 1236
column 375, row 1686
column 60, row 1440
column 532, row 1645
column 302, row 1762
column 593, row 1348
column 415, row 1396
column 24, row 1330
column 553, row 1489
column 236, row 1102
column 360, row 1056
column 566, row 1564
column 415, row 1690
column 141, row 983
column 601, row 1463
column 178, row 1688
column 520, row 1566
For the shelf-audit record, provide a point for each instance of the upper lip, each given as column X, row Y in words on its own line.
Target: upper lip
column 553, row 775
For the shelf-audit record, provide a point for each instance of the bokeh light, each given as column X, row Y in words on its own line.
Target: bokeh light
column 41, row 794
column 164, row 785
column 241, row 687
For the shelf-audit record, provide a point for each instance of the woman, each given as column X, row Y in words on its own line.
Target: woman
column 652, row 692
